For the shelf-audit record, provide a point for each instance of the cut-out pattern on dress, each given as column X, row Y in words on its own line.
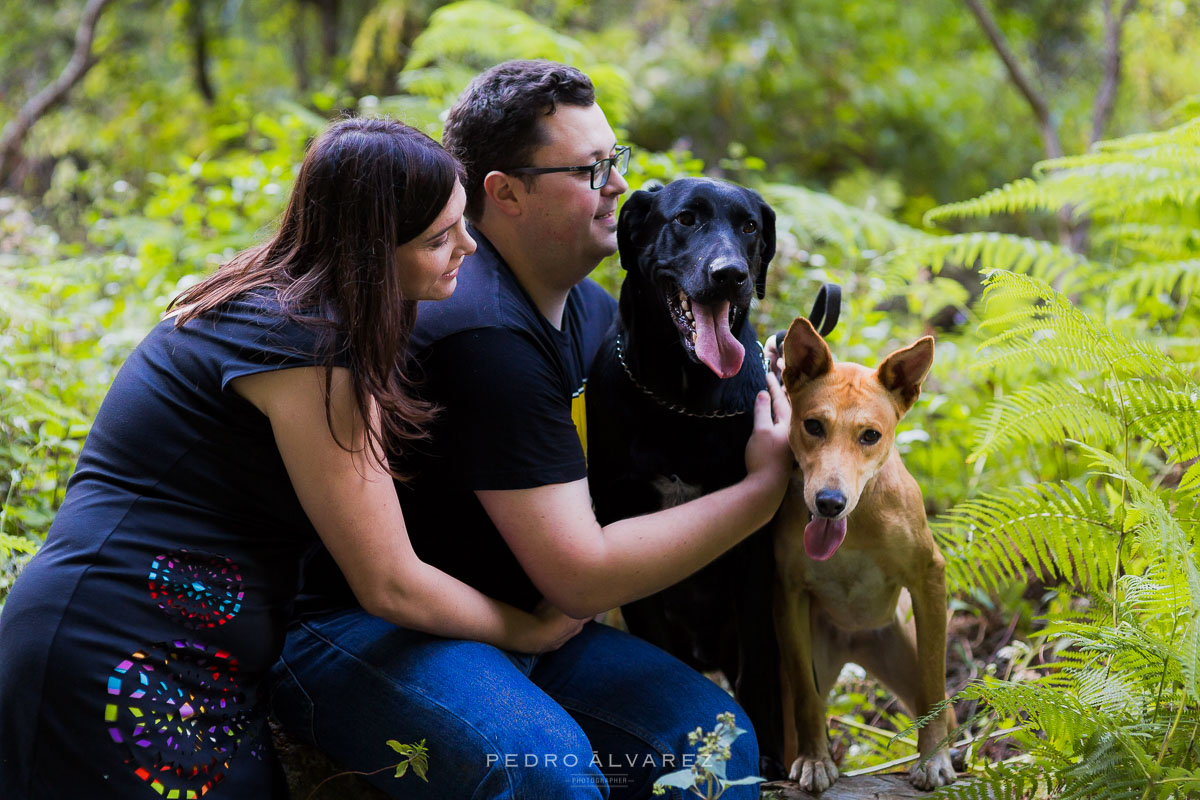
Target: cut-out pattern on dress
column 178, row 714
column 197, row 590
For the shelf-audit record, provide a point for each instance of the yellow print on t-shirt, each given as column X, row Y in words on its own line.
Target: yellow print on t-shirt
column 579, row 415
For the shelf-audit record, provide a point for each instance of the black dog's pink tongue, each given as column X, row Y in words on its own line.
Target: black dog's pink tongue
column 715, row 345
column 822, row 537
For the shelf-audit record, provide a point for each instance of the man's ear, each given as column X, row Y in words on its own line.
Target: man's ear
column 767, row 251
column 902, row 372
column 502, row 192
column 633, row 214
column 805, row 355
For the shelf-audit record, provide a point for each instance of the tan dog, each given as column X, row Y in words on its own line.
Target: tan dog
column 852, row 533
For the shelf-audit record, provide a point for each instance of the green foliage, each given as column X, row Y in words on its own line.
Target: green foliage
column 72, row 311
column 1115, row 715
column 414, row 755
column 466, row 37
column 707, row 776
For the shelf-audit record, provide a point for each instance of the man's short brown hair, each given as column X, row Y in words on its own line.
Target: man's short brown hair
column 495, row 123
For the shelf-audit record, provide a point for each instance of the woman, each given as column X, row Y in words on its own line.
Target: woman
column 251, row 420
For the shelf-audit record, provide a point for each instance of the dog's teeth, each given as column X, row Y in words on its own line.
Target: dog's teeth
column 693, row 337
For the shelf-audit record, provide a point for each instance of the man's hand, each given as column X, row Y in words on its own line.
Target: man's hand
column 768, row 452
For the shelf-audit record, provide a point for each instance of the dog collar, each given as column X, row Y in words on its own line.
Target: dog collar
column 678, row 409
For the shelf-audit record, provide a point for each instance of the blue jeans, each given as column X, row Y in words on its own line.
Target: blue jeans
column 603, row 716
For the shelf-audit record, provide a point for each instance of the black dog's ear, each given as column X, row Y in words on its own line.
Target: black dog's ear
column 633, row 215
column 768, row 247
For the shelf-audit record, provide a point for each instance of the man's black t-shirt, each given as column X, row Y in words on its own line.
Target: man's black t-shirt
column 511, row 390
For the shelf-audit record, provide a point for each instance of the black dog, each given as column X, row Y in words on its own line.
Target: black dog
column 670, row 404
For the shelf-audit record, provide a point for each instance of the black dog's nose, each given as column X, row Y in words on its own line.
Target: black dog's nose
column 729, row 274
column 830, row 503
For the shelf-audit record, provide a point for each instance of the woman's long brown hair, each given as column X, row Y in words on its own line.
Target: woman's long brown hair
column 366, row 186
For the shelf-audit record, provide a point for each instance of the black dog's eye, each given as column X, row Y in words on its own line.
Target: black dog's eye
column 813, row 427
column 686, row 218
column 749, row 226
column 870, row 436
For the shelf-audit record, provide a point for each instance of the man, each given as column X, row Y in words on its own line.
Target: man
column 500, row 498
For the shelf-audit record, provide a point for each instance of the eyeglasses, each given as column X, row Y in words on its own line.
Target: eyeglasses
column 600, row 170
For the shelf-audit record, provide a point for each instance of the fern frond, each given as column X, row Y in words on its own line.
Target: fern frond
column 1135, row 163
column 1107, row 767
column 1054, row 529
column 1024, row 194
column 1005, row 782
column 1186, row 134
column 988, row 251
column 1046, row 412
column 1060, row 715
column 1162, row 277
column 1137, row 175
column 1046, row 326
column 1155, row 241
column 1166, row 415
column 1189, row 484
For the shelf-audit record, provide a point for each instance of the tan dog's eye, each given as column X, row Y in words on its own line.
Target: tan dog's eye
column 750, row 226
column 870, row 436
column 686, row 218
column 813, row 428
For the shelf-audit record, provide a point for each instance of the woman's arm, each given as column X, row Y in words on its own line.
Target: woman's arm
column 352, row 504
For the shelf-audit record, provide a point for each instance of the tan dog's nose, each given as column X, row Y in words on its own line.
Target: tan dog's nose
column 830, row 502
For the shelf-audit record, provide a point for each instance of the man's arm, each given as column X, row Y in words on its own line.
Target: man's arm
column 584, row 569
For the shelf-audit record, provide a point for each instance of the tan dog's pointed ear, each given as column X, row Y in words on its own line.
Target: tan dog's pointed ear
column 805, row 354
column 903, row 371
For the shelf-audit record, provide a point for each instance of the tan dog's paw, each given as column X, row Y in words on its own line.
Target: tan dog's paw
column 814, row 774
column 937, row 771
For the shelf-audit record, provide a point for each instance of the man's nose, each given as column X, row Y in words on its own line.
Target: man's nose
column 616, row 184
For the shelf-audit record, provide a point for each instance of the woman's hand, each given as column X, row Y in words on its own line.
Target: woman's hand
column 768, row 453
column 550, row 629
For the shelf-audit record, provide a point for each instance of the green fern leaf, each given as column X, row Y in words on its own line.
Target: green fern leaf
column 1056, row 530
column 1046, row 412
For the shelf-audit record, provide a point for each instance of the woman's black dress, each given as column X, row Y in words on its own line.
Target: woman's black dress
column 134, row 644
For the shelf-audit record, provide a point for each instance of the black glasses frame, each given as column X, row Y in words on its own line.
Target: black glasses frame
column 600, row 170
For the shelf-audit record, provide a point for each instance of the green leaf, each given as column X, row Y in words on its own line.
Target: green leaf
column 680, row 779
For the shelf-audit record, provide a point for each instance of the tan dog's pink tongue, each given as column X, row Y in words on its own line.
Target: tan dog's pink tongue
column 822, row 537
column 715, row 345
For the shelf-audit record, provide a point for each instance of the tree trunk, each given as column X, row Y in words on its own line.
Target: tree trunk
column 198, row 32
column 50, row 97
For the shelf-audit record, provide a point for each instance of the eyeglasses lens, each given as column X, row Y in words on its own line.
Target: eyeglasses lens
column 602, row 169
